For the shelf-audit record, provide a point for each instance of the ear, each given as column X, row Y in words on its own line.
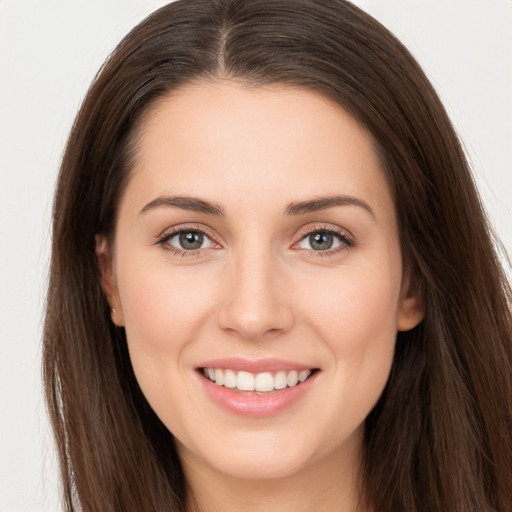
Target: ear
column 107, row 279
column 411, row 308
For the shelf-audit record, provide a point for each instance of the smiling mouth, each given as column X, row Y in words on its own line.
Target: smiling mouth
column 256, row 383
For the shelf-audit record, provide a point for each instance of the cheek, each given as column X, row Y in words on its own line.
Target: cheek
column 357, row 319
column 162, row 309
column 356, row 306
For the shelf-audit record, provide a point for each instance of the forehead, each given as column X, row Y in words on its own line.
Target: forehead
column 222, row 136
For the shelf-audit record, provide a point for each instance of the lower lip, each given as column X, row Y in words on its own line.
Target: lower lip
column 253, row 405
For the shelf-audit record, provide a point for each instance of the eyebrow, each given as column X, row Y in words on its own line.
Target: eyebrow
column 185, row 203
column 295, row 208
column 322, row 203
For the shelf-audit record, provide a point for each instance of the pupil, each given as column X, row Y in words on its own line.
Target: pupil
column 191, row 240
column 321, row 241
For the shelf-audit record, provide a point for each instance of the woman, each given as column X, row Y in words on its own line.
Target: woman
column 272, row 283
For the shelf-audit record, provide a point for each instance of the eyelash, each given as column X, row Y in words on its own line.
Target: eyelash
column 172, row 232
column 346, row 240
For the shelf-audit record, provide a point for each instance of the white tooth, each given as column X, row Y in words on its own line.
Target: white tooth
column 229, row 379
column 211, row 374
column 280, row 380
column 264, row 382
column 219, row 377
column 304, row 374
column 245, row 381
column 293, row 378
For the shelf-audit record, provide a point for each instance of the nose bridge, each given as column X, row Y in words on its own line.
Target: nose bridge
column 255, row 300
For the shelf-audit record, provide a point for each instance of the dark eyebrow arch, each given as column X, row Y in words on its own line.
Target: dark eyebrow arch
column 185, row 203
column 322, row 203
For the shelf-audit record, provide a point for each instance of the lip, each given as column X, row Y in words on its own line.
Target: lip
column 239, row 364
column 253, row 405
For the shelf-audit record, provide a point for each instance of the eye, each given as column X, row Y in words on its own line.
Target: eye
column 187, row 240
column 324, row 240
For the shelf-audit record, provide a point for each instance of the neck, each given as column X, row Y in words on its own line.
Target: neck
column 330, row 484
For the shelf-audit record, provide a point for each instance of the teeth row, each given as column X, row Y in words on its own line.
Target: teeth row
column 245, row 381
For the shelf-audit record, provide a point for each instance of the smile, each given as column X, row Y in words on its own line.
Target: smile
column 256, row 389
column 260, row 382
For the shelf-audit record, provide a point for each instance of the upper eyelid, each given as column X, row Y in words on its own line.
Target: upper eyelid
column 174, row 230
column 308, row 230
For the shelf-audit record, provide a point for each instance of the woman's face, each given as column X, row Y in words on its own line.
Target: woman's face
column 257, row 246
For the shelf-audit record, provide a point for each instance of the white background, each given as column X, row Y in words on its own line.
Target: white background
column 50, row 51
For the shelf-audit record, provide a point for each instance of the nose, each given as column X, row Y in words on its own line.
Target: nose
column 256, row 303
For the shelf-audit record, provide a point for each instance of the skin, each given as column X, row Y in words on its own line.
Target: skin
column 259, row 289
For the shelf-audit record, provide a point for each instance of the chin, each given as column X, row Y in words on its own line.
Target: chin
column 260, row 467
column 257, row 455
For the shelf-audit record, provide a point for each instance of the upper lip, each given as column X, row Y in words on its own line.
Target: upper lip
column 254, row 365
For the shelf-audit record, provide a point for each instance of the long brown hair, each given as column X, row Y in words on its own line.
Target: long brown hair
column 440, row 437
